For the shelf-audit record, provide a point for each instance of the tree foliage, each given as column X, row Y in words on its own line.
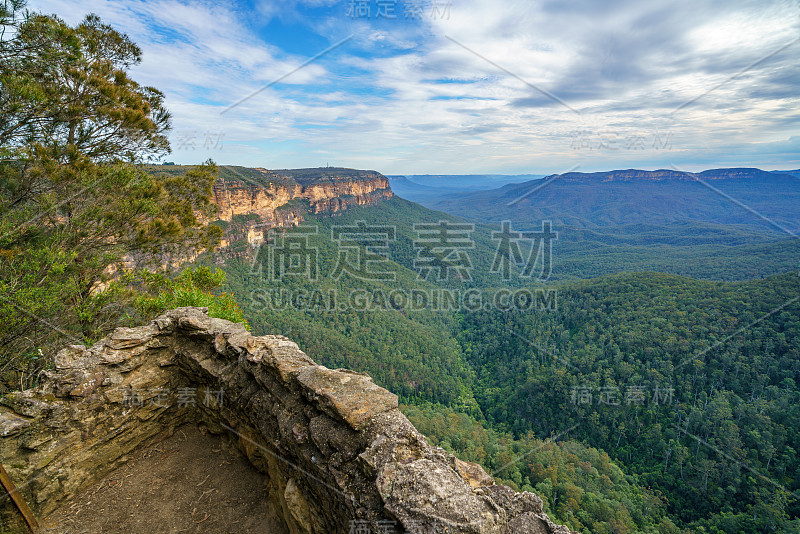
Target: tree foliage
column 66, row 94
column 192, row 287
column 721, row 446
column 77, row 207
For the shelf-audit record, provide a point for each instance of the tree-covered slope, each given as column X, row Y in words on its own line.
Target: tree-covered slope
column 720, row 224
column 691, row 385
column 688, row 385
column 416, row 354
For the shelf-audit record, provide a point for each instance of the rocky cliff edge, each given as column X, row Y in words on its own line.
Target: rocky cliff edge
column 338, row 453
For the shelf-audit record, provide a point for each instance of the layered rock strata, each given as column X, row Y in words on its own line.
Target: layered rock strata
column 268, row 202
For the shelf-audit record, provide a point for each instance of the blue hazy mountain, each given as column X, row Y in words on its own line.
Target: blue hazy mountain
column 795, row 172
column 427, row 189
column 745, row 198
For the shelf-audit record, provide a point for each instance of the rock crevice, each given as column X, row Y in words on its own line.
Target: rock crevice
column 338, row 453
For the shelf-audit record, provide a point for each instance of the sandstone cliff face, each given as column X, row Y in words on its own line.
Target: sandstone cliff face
column 327, row 191
column 337, row 451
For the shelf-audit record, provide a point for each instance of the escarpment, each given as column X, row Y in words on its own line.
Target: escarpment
column 251, row 201
column 262, row 199
column 337, row 451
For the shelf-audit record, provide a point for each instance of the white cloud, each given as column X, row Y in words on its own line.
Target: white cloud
column 624, row 65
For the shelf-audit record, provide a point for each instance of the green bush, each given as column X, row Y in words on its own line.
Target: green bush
column 192, row 287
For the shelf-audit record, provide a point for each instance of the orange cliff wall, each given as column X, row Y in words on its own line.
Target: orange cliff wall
column 268, row 201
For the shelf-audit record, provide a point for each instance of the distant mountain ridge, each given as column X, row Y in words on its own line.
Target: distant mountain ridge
column 427, row 189
column 746, row 197
column 743, row 173
column 464, row 181
column 795, row 172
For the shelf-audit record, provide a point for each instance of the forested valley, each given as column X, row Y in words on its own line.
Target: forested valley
column 653, row 387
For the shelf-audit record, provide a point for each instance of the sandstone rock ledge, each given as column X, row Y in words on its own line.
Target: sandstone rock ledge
column 336, row 449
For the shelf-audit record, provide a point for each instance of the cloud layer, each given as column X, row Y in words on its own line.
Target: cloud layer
column 471, row 86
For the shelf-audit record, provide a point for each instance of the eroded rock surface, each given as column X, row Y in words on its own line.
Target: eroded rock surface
column 338, row 453
column 269, row 200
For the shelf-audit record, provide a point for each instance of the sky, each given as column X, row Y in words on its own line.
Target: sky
column 469, row 86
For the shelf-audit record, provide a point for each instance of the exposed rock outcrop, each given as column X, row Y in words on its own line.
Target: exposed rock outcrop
column 339, row 454
column 252, row 201
column 266, row 196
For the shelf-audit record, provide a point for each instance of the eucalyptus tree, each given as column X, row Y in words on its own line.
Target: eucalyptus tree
column 77, row 202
